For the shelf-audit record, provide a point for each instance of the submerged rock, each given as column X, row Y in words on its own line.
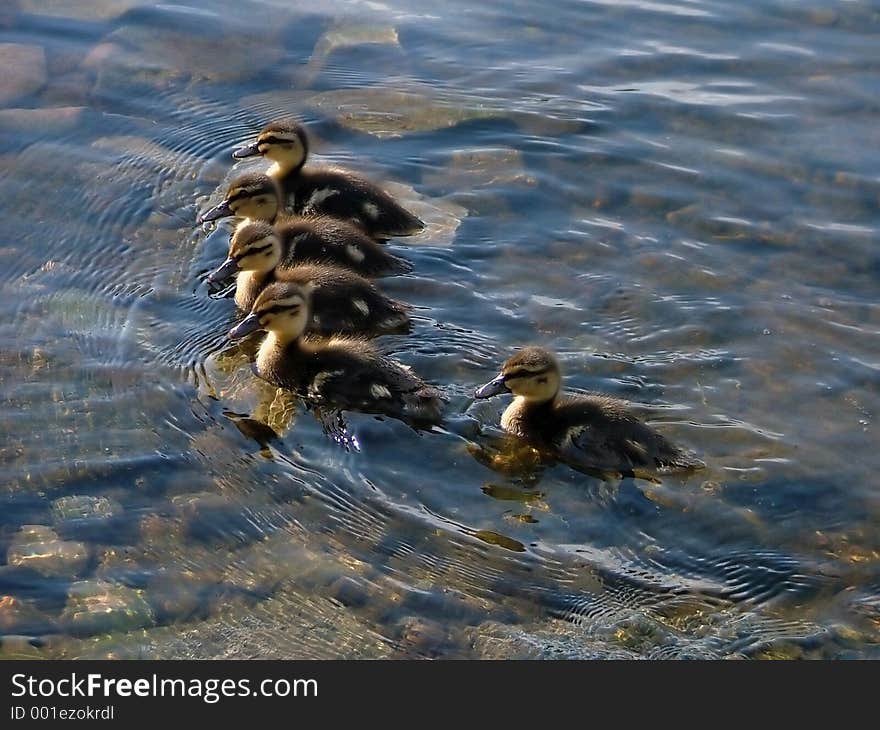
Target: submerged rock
column 477, row 168
column 386, row 112
column 40, row 122
column 9, row 13
column 441, row 216
column 349, row 592
column 80, row 9
column 95, row 606
column 38, row 547
column 24, row 70
column 421, row 636
column 84, row 507
column 194, row 43
column 13, row 646
column 22, row 617
column 345, row 35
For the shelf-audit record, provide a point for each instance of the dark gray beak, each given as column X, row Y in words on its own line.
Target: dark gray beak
column 224, row 271
column 218, row 211
column 249, row 324
column 493, row 387
column 249, row 150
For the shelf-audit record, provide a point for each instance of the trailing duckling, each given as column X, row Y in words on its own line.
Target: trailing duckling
column 338, row 372
column 592, row 431
column 327, row 190
column 343, row 302
column 317, row 241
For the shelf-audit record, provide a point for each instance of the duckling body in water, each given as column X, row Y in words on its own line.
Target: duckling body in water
column 342, row 301
column 592, row 431
column 339, row 372
column 327, row 190
column 314, row 241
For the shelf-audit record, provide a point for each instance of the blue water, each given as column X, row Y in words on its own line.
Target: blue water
column 679, row 198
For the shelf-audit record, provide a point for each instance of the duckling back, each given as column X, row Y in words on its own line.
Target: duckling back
column 600, row 432
column 327, row 240
column 345, row 195
column 343, row 302
column 348, row 373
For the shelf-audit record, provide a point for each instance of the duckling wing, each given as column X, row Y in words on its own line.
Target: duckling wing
column 375, row 385
column 325, row 240
column 594, row 448
column 346, row 195
column 344, row 302
column 609, row 438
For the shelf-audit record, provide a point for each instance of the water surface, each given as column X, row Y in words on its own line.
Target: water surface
column 680, row 198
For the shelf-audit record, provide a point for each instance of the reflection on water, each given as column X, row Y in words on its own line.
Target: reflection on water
column 680, row 199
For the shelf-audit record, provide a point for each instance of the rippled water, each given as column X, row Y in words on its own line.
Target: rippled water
column 680, row 198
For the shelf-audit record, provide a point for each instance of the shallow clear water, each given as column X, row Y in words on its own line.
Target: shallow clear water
column 680, row 198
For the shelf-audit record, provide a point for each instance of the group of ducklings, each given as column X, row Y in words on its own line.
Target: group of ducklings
column 309, row 241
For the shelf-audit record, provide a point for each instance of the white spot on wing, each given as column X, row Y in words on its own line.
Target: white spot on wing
column 319, row 196
column 371, row 210
column 354, row 252
column 320, row 380
column 361, row 306
column 380, row 391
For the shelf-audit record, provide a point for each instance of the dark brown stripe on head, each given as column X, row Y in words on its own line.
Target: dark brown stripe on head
column 523, row 373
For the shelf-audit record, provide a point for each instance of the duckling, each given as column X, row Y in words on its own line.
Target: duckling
column 253, row 196
column 339, row 372
column 343, row 301
column 321, row 240
column 327, row 190
column 593, row 431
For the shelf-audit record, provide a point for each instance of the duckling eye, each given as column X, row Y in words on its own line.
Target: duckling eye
column 542, row 380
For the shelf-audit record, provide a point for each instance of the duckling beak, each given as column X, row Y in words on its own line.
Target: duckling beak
column 249, row 324
column 493, row 387
column 249, row 150
column 218, row 211
column 224, row 271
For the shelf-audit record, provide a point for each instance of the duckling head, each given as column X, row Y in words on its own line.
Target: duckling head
column 532, row 374
column 255, row 246
column 284, row 142
column 282, row 309
column 253, row 195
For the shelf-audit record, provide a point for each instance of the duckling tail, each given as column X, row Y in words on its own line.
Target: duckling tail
column 424, row 404
column 400, row 266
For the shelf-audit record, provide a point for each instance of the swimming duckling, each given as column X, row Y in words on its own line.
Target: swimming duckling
column 593, row 431
column 253, row 196
column 340, row 372
column 342, row 301
column 327, row 190
column 321, row 240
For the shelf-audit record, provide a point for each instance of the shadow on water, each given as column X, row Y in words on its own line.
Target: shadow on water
column 685, row 221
